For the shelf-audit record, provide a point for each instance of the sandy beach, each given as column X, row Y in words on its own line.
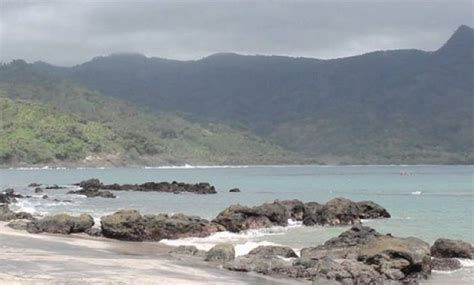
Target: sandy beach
column 80, row 259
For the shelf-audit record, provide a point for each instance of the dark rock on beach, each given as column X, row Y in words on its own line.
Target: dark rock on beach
column 283, row 251
column 7, row 215
column 221, row 253
column 93, row 193
column 94, row 232
column 237, row 218
column 448, row 248
column 131, row 225
column 38, row 190
column 268, row 265
column 338, row 211
column 371, row 210
column 124, row 225
column 234, row 190
column 341, row 211
column 19, row 225
column 61, row 224
column 295, row 208
column 445, row 264
column 174, row 187
column 358, row 256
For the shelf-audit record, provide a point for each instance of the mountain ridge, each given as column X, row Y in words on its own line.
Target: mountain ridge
column 400, row 106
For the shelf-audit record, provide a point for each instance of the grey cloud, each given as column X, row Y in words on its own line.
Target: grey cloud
column 67, row 32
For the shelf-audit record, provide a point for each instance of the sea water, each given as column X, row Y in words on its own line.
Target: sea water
column 427, row 202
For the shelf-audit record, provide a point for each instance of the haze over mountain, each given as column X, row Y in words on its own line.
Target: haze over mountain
column 400, row 106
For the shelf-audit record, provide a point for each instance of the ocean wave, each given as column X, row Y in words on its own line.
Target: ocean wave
column 243, row 242
column 466, row 262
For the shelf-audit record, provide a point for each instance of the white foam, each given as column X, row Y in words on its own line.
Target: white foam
column 416, row 193
column 466, row 262
column 243, row 241
column 243, row 249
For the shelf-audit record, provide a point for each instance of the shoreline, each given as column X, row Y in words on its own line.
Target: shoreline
column 210, row 166
column 80, row 259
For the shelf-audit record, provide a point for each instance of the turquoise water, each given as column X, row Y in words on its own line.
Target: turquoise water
column 427, row 202
column 444, row 208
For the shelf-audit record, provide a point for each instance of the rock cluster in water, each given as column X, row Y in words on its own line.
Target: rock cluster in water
column 338, row 211
column 173, row 187
column 359, row 255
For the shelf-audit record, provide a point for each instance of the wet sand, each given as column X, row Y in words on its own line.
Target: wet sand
column 80, row 259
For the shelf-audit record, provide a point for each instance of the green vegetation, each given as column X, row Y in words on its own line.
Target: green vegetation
column 35, row 133
column 386, row 107
column 46, row 120
column 404, row 106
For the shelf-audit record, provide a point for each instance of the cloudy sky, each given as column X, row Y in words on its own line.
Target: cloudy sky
column 69, row 32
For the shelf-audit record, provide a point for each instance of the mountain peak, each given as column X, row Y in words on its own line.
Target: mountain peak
column 461, row 43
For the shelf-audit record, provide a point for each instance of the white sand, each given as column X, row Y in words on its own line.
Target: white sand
column 78, row 259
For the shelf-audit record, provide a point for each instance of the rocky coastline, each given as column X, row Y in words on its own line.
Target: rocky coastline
column 360, row 255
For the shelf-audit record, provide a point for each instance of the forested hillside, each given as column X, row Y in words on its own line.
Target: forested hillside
column 403, row 106
column 49, row 120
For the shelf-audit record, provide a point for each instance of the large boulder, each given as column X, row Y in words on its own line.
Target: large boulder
column 90, row 184
column 363, row 256
column 343, row 246
column 295, row 208
column 345, row 271
column 237, row 218
column 221, row 253
column 445, row 264
column 358, row 256
column 124, row 225
column 447, row 248
column 158, row 227
column 131, row 225
column 61, row 224
column 341, row 211
column 338, row 211
column 266, row 250
column 311, row 208
column 371, row 210
column 397, row 258
column 269, row 265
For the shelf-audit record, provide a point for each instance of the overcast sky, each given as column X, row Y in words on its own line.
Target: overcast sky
column 68, row 32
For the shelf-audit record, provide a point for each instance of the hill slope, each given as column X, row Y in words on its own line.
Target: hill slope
column 46, row 120
column 404, row 106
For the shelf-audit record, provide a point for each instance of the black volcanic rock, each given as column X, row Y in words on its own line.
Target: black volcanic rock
column 448, row 248
column 132, row 226
column 61, row 224
column 93, row 193
column 174, row 187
